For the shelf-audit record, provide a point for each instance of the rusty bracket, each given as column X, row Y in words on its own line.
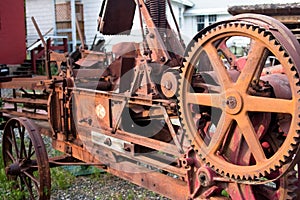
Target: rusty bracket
column 66, row 160
column 172, row 131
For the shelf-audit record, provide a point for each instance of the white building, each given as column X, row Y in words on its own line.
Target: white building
column 205, row 12
column 44, row 13
column 191, row 15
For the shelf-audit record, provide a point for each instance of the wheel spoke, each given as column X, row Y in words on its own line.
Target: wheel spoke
column 10, row 156
column 246, row 128
column 30, row 155
column 255, row 60
column 227, row 52
column 30, row 149
column 29, row 187
column 205, row 99
column 22, row 147
column 218, row 137
column 14, row 142
column 10, row 140
column 218, row 66
column 35, row 181
column 265, row 104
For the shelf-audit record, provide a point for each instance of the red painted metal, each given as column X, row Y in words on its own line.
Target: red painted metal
column 12, row 32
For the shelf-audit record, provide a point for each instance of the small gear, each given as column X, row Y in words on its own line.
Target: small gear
column 169, row 83
column 231, row 105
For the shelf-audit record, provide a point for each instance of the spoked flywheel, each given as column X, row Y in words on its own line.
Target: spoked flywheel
column 25, row 159
column 231, row 96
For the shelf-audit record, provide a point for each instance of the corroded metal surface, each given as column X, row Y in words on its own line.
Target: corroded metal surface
column 233, row 137
column 236, row 106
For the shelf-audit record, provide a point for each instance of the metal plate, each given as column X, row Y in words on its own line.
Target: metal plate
column 117, row 17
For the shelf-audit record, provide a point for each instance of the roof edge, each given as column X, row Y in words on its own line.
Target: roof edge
column 267, row 9
column 185, row 2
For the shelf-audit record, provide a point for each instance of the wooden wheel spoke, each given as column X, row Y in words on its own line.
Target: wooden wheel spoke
column 218, row 66
column 255, row 61
column 266, row 104
column 205, row 99
column 246, row 128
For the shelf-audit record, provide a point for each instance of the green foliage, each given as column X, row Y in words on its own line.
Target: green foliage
column 131, row 195
column 61, row 179
column 42, row 71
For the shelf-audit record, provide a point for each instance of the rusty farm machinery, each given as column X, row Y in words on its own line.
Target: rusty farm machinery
column 195, row 122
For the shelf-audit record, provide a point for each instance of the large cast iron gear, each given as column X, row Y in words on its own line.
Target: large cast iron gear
column 230, row 102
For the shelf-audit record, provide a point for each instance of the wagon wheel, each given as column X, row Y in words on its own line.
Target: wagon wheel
column 231, row 97
column 25, row 159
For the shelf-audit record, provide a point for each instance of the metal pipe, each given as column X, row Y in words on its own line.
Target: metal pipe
column 73, row 17
column 141, row 25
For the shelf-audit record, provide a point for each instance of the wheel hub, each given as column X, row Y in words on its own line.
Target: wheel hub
column 231, row 102
column 234, row 102
column 13, row 169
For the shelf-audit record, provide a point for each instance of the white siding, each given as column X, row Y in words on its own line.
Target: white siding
column 43, row 12
column 91, row 9
column 189, row 28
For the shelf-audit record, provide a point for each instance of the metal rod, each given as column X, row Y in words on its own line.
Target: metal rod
column 175, row 21
column 79, row 33
column 73, row 16
column 48, row 71
column 38, row 31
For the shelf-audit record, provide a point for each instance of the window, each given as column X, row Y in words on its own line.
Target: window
column 200, row 22
column 212, row 19
column 180, row 17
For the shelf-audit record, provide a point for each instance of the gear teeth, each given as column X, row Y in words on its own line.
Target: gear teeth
column 270, row 40
column 244, row 177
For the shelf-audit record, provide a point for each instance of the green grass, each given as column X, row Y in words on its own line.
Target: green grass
column 61, row 179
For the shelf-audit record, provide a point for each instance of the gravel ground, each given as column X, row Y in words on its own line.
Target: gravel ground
column 102, row 187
